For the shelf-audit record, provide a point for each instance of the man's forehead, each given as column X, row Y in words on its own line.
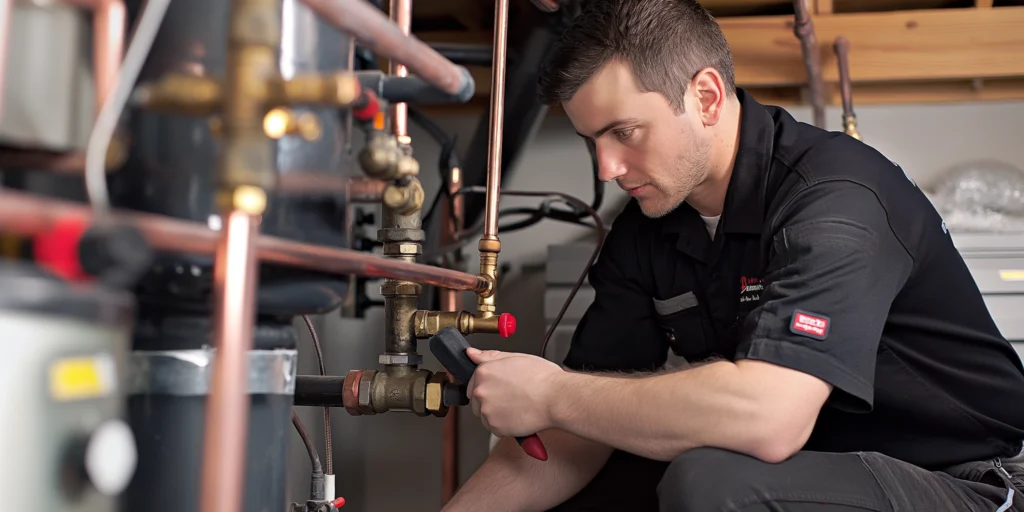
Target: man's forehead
column 606, row 99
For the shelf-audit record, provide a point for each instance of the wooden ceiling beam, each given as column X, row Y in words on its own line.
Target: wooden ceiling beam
column 886, row 47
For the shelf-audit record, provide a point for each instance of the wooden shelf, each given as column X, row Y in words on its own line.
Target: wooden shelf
column 901, row 51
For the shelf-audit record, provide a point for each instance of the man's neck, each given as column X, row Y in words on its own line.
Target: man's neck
column 708, row 198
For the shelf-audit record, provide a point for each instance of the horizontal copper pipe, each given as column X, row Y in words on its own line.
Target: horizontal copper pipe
column 359, row 190
column 370, row 27
column 71, row 162
column 27, row 215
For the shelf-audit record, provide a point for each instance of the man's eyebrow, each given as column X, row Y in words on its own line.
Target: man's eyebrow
column 609, row 126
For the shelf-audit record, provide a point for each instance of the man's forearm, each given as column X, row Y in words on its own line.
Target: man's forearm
column 511, row 480
column 718, row 404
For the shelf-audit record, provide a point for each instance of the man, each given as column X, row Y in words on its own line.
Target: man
column 842, row 356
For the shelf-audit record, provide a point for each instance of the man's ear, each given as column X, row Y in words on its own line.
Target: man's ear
column 709, row 91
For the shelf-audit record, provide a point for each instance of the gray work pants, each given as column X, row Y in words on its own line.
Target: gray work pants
column 713, row 480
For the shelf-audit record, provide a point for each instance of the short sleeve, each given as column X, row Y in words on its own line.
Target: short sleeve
column 836, row 268
column 618, row 332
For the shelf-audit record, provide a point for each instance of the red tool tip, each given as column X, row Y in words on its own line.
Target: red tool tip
column 338, row 503
column 506, row 325
column 533, row 447
column 57, row 248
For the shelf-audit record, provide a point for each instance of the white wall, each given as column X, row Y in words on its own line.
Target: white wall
column 392, row 462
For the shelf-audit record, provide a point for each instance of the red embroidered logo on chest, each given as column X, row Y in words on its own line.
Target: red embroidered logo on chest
column 751, row 288
column 810, row 325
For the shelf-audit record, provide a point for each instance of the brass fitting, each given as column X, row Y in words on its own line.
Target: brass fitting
column 489, row 247
column 246, row 198
column 429, row 323
column 850, row 126
column 182, row 94
column 369, row 392
column 282, row 121
column 435, row 394
column 404, row 199
column 337, row 90
column 382, row 158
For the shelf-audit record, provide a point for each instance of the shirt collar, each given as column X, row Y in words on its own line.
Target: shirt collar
column 745, row 197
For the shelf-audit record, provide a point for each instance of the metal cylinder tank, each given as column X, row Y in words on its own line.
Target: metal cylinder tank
column 63, row 440
column 171, row 170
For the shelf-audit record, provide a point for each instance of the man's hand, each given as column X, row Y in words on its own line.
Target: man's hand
column 511, row 393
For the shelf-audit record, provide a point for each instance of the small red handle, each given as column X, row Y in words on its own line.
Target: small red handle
column 506, row 325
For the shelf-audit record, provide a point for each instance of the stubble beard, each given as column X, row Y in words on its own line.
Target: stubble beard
column 690, row 169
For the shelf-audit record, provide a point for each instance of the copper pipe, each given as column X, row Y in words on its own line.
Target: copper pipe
column 108, row 45
column 842, row 49
column 451, row 300
column 227, row 411
column 374, row 31
column 497, row 120
column 110, row 20
column 29, row 215
column 803, row 28
column 72, row 162
column 357, row 190
column 401, row 15
column 5, row 37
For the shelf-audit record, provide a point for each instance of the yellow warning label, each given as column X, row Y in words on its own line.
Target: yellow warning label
column 81, row 378
column 1011, row 275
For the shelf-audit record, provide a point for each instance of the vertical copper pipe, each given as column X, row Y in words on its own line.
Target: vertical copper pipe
column 110, row 19
column 497, row 118
column 5, row 36
column 842, row 49
column 451, row 300
column 803, row 28
column 401, row 15
column 227, row 413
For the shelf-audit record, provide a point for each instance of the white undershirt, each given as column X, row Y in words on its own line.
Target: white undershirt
column 712, row 224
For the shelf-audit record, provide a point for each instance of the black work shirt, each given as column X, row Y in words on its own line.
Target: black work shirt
column 829, row 260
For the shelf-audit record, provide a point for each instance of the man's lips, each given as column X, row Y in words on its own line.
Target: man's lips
column 635, row 190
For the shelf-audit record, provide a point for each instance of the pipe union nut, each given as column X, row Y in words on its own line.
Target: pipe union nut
column 355, row 394
column 435, row 394
column 397, row 288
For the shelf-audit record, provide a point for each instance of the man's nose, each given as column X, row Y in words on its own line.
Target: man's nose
column 609, row 166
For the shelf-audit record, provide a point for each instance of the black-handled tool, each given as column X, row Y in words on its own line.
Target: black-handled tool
column 449, row 347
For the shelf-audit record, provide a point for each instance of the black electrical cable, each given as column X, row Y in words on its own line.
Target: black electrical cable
column 317, row 480
column 328, row 435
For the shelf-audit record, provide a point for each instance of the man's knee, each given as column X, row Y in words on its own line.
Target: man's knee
column 706, row 479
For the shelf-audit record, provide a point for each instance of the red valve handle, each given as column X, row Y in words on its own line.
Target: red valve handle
column 338, row 503
column 506, row 325
column 56, row 249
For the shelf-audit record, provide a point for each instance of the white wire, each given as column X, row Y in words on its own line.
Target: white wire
column 106, row 122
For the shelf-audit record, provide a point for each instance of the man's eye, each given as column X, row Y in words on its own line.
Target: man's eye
column 624, row 133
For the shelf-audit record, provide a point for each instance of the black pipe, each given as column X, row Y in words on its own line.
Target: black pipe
column 318, row 391
column 412, row 89
column 466, row 54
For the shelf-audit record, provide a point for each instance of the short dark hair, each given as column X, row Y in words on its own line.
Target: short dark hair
column 665, row 43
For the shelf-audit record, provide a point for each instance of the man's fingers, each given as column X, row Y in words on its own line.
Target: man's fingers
column 482, row 356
